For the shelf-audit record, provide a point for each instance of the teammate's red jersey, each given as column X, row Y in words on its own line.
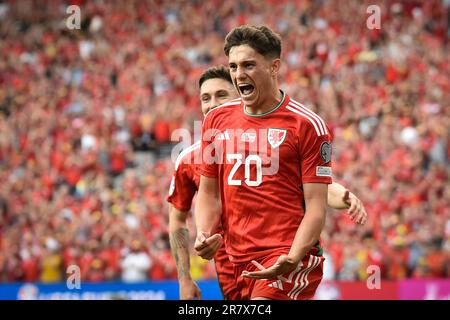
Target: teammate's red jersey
column 184, row 185
column 185, row 180
column 263, row 162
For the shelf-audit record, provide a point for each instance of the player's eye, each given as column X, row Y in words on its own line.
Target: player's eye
column 233, row 67
column 205, row 98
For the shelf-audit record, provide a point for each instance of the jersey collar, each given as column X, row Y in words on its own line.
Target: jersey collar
column 283, row 99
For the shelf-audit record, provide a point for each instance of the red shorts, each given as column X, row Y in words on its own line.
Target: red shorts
column 225, row 275
column 300, row 284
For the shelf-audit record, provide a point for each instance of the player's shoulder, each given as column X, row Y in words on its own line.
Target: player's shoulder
column 186, row 156
column 223, row 109
column 307, row 117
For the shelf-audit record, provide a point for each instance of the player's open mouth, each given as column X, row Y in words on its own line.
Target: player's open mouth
column 246, row 89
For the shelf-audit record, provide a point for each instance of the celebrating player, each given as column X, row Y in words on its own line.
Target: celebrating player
column 216, row 88
column 264, row 155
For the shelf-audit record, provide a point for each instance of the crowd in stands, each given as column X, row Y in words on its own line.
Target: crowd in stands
column 86, row 117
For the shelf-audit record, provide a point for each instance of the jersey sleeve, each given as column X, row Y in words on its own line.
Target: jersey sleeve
column 315, row 154
column 182, row 188
column 209, row 165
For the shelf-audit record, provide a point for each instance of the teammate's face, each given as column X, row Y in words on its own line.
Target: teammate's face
column 254, row 76
column 215, row 92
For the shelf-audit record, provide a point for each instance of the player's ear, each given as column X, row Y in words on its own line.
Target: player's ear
column 275, row 67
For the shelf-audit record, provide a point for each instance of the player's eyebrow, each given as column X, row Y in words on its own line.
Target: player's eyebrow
column 222, row 92
column 243, row 62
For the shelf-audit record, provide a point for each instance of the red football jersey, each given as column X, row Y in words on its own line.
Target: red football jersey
column 185, row 180
column 184, row 185
column 261, row 162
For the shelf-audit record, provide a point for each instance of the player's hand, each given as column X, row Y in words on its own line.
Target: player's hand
column 356, row 209
column 189, row 290
column 283, row 265
column 207, row 246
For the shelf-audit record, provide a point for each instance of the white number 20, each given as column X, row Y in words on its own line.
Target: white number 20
column 238, row 157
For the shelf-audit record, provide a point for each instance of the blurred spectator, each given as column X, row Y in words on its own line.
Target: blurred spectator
column 51, row 264
column 135, row 264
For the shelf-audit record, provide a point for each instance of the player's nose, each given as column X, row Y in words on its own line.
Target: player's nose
column 240, row 73
column 214, row 102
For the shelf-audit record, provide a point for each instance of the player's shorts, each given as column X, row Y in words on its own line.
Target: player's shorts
column 299, row 284
column 225, row 275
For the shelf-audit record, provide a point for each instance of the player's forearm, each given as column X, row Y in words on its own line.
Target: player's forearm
column 336, row 196
column 308, row 232
column 207, row 212
column 179, row 242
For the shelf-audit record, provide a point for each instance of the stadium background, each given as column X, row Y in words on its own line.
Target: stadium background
column 86, row 118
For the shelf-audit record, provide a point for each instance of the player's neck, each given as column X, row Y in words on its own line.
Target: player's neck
column 267, row 105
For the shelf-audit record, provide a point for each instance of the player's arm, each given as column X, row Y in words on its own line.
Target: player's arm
column 308, row 233
column 181, row 192
column 315, row 157
column 340, row 197
column 179, row 244
column 207, row 215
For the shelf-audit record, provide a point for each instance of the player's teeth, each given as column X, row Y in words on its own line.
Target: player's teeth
column 246, row 89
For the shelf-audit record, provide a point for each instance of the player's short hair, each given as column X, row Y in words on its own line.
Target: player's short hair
column 217, row 72
column 261, row 38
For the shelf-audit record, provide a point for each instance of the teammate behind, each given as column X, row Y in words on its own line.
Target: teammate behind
column 216, row 88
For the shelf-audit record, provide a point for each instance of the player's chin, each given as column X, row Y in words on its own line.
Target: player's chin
column 251, row 99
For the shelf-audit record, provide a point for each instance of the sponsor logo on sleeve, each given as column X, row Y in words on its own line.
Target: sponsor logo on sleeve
column 325, row 151
column 323, row 171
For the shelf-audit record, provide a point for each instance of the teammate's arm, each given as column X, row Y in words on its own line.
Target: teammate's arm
column 341, row 198
column 207, row 215
column 179, row 244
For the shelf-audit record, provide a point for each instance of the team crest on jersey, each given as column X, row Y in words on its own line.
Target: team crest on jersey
column 276, row 137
